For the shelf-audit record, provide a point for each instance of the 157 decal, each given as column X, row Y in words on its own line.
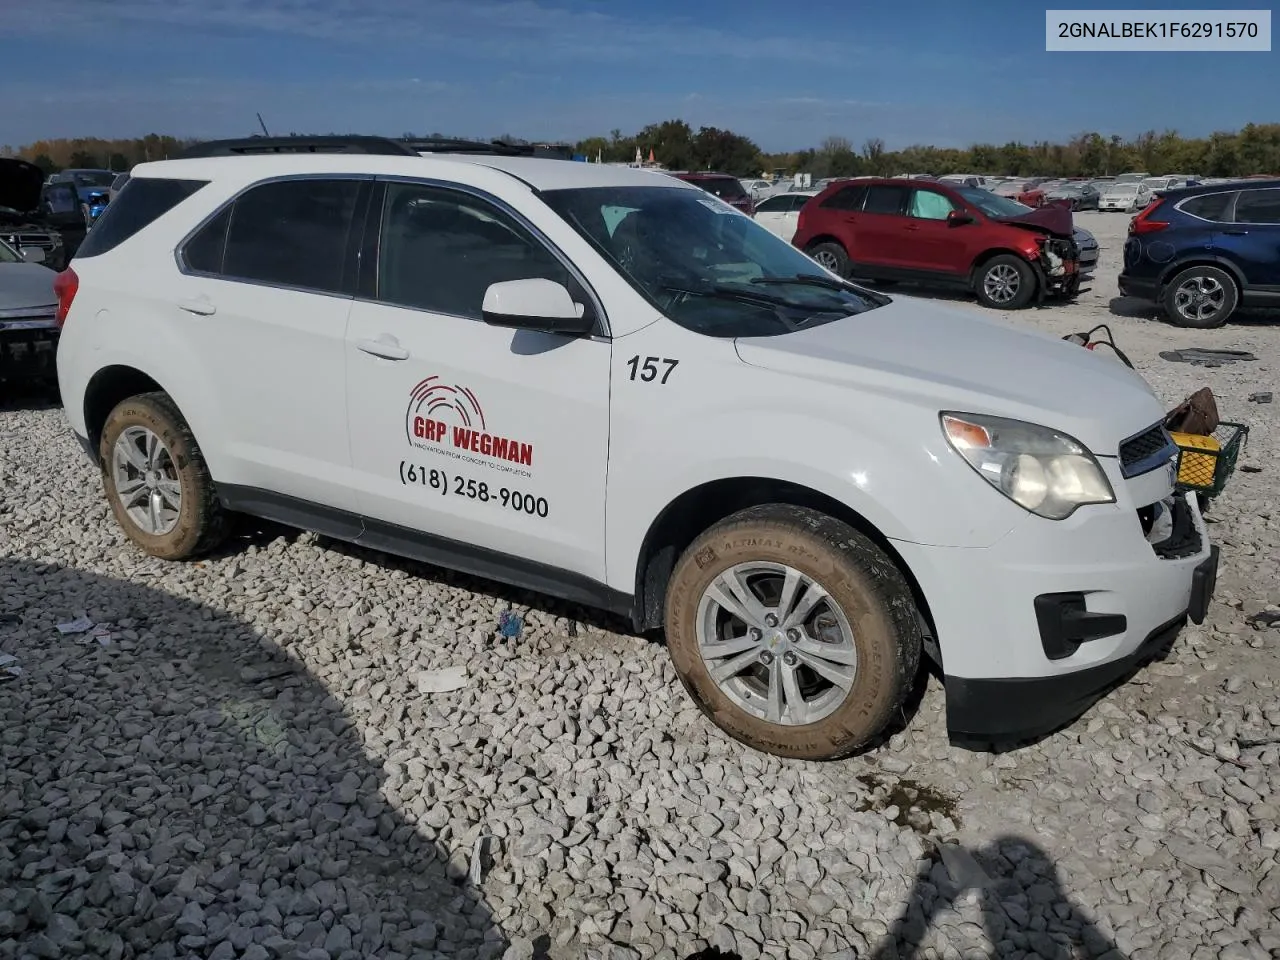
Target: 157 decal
column 416, row 475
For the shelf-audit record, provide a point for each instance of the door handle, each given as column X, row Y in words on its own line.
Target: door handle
column 1236, row 233
column 199, row 306
column 385, row 346
column 913, row 226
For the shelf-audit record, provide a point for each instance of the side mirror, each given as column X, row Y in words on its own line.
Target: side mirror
column 32, row 254
column 958, row 218
column 535, row 304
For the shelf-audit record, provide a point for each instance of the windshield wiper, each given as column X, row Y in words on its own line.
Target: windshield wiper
column 809, row 279
column 729, row 292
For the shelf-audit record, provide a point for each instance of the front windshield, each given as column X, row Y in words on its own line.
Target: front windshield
column 709, row 268
column 1120, row 189
column 993, row 205
column 8, row 254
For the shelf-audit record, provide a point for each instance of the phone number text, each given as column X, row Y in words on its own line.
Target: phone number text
column 447, row 484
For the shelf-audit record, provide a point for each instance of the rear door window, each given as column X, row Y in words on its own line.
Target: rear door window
column 140, row 203
column 885, row 199
column 1258, row 206
column 291, row 233
column 850, row 198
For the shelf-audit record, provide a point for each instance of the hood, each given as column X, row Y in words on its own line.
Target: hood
column 24, row 285
column 1051, row 219
column 20, row 184
column 1084, row 238
column 945, row 358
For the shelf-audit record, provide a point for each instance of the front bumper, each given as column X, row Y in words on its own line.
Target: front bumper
column 27, row 354
column 1011, row 670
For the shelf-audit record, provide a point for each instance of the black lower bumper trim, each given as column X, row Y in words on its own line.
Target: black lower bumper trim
column 1204, row 580
column 1012, row 710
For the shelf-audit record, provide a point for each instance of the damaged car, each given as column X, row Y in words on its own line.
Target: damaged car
column 28, row 319
column 1010, row 255
column 24, row 220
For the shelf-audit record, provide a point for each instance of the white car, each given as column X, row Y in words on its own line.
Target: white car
column 780, row 213
column 1127, row 197
column 604, row 384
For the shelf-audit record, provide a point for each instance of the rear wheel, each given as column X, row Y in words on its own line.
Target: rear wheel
column 832, row 256
column 1005, row 282
column 1201, row 297
column 156, row 479
column 792, row 632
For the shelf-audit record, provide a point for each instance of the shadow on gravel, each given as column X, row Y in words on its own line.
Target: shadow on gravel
column 188, row 790
column 591, row 616
column 1025, row 911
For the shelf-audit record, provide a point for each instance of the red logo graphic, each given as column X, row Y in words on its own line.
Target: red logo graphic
column 440, row 414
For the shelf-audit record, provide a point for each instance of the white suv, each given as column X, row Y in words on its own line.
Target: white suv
column 605, row 384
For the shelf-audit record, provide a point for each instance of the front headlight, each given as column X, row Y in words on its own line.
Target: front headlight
column 1041, row 470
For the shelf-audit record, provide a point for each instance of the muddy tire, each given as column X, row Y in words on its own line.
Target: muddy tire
column 832, row 256
column 156, row 480
column 1201, row 298
column 1005, row 282
column 792, row 632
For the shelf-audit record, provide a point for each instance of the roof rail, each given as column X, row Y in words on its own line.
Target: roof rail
column 454, row 145
column 256, row 146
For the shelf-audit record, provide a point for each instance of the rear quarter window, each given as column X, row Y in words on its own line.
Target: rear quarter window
column 140, row 203
column 1211, row 206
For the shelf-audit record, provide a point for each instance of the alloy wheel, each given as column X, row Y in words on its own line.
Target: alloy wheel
column 775, row 643
column 145, row 478
column 1199, row 298
column 1001, row 283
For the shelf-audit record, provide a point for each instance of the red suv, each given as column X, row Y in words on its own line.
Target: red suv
column 1006, row 252
column 727, row 188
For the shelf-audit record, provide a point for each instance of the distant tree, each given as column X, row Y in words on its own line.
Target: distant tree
column 873, row 153
column 82, row 158
column 727, row 152
column 118, row 162
column 671, row 142
column 45, row 163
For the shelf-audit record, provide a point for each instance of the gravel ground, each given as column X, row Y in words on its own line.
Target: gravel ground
column 253, row 765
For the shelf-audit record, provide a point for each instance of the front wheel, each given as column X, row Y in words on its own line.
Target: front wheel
column 792, row 632
column 1005, row 282
column 1201, row 297
column 156, row 479
column 832, row 256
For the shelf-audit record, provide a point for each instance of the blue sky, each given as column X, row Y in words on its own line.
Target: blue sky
column 948, row 73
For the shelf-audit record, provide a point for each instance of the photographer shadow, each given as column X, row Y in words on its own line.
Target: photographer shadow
column 188, row 789
column 1025, row 910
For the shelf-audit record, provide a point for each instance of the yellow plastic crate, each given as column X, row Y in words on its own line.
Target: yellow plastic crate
column 1198, row 462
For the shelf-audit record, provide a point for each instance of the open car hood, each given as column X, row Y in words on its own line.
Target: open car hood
column 1052, row 219
column 20, row 184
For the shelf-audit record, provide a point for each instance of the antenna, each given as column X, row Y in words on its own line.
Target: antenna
column 263, row 126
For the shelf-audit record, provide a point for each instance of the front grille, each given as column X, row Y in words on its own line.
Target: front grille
column 1146, row 451
column 42, row 240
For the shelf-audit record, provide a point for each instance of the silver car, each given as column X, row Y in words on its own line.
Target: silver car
column 28, row 318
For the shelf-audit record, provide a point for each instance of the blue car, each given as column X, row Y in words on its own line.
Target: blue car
column 1201, row 252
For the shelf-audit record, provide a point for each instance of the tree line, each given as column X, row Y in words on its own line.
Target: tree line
column 674, row 144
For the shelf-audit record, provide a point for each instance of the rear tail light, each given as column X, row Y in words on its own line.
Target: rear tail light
column 1143, row 222
column 65, row 286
